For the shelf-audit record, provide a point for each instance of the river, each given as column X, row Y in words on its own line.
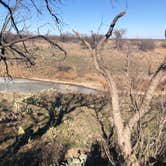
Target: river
column 31, row 86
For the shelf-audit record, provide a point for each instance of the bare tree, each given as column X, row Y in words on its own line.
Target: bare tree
column 118, row 33
column 14, row 48
column 123, row 130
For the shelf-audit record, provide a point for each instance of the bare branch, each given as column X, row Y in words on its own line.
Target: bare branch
column 85, row 42
column 11, row 16
column 13, row 21
column 110, row 30
column 36, row 7
column 51, row 12
column 22, row 55
column 21, row 52
column 4, row 60
column 34, row 37
column 123, row 137
column 158, row 76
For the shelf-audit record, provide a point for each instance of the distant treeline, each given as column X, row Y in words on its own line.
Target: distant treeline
column 65, row 37
column 68, row 37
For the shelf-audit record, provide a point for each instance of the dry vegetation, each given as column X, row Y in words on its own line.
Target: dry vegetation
column 132, row 59
column 123, row 124
column 56, row 126
column 132, row 66
column 84, row 129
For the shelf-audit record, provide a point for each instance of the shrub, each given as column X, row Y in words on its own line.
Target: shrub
column 146, row 45
column 163, row 44
column 64, row 68
column 93, row 39
column 68, row 37
column 118, row 34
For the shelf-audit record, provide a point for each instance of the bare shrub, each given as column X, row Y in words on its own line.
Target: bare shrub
column 64, row 68
column 163, row 45
column 71, row 75
column 95, row 77
column 67, row 37
column 119, row 33
column 66, row 72
column 93, row 39
column 146, row 45
column 64, row 37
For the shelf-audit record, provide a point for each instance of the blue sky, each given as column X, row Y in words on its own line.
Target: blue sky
column 144, row 18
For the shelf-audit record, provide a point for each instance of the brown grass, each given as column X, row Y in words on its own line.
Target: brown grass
column 79, row 60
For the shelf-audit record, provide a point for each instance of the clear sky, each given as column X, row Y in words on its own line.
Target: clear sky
column 144, row 18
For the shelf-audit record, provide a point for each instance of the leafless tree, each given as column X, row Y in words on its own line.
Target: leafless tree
column 118, row 33
column 123, row 130
column 15, row 48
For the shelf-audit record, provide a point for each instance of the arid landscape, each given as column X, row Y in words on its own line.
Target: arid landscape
column 76, row 99
column 81, row 128
column 77, row 67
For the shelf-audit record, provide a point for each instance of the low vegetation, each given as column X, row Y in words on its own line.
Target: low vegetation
column 146, row 45
column 58, row 128
column 122, row 124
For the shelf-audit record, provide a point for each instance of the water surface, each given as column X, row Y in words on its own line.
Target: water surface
column 28, row 86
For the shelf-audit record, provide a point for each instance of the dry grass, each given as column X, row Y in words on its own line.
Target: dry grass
column 79, row 60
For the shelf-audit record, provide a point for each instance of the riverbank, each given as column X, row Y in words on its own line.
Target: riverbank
column 26, row 85
column 92, row 85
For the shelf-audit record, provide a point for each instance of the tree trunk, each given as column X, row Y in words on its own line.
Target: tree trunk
column 124, row 135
